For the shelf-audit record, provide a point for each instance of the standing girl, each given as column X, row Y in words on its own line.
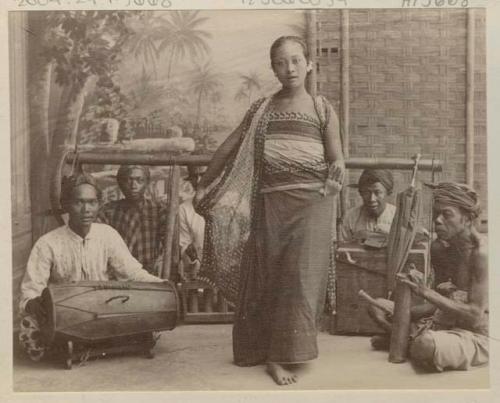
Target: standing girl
column 268, row 197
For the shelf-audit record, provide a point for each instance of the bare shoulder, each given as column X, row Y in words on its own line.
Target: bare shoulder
column 332, row 114
column 481, row 250
column 480, row 256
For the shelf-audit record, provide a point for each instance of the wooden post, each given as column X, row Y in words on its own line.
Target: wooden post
column 23, row 221
column 208, row 299
column 344, row 120
column 173, row 208
column 400, row 324
column 193, row 301
column 469, row 143
column 311, row 46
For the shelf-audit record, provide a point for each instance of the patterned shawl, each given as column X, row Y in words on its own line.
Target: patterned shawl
column 227, row 207
column 230, row 207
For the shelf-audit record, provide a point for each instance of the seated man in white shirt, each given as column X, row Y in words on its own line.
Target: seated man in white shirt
column 375, row 215
column 191, row 228
column 80, row 250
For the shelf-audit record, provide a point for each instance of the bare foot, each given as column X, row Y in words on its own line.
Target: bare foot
column 380, row 342
column 280, row 375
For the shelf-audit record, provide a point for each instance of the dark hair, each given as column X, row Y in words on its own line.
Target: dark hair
column 195, row 171
column 125, row 170
column 289, row 38
column 370, row 176
column 69, row 183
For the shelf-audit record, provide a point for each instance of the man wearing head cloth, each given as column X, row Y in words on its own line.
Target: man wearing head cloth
column 81, row 250
column 191, row 228
column 140, row 221
column 375, row 215
column 455, row 336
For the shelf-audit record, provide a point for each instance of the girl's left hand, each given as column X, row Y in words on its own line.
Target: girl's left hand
column 336, row 172
column 333, row 183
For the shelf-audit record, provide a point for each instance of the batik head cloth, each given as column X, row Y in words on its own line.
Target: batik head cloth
column 457, row 195
column 371, row 176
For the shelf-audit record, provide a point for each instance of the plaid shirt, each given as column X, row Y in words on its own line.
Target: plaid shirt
column 142, row 227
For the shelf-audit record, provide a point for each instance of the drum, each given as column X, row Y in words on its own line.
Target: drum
column 93, row 311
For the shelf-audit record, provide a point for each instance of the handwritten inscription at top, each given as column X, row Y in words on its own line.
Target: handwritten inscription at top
column 166, row 4
column 119, row 3
column 435, row 3
column 312, row 3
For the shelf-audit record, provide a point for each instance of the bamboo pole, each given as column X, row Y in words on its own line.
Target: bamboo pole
column 469, row 143
column 139, row 158
column 344, row 129
column 311, row 47
column 400, row 334
column 173, row 207
column 372, row 301
column 164, row 159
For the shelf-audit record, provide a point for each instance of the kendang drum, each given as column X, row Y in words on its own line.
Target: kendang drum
column 94, row 318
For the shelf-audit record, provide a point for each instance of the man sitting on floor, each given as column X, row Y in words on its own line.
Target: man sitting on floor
column 81, row 250
column 140, row 221
column 191, row 228
column 456, row 335
column 375, row 215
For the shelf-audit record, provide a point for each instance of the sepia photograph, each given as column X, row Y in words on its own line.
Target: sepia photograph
column 249, row 200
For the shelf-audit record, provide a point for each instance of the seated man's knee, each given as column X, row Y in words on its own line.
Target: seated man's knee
column 376, row 312
column 422, row 349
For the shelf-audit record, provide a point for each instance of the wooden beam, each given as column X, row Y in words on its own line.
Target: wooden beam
column 136, row 158
column 163, row 159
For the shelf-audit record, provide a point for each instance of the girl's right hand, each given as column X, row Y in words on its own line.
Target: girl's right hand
column 200, row 194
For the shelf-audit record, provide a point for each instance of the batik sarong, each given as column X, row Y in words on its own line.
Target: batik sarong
column 286, row 254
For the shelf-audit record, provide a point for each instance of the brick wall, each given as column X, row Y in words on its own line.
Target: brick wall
column 407, row 86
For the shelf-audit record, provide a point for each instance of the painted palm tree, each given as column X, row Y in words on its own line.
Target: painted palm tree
column 183, row 36
column 145, row 91
column 215, row 99
column 249, row 83
column 205, row 82
column 143, row 44
column 300, row 29
column 241, row 95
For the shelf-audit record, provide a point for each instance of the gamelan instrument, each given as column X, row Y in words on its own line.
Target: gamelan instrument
column 107, row 317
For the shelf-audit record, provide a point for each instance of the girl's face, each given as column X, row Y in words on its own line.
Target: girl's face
column 290, row 65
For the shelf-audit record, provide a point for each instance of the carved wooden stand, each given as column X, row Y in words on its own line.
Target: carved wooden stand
column 74, row 351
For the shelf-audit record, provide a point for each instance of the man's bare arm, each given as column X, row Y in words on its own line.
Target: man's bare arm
column 471, row 313
column 422, row 310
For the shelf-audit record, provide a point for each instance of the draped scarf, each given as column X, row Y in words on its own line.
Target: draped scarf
column 231, row 209
column 229, row 205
